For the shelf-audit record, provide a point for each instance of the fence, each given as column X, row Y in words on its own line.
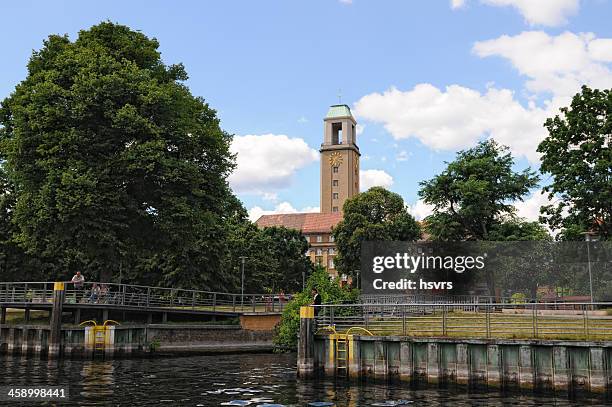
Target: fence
column 139, row 296
column 484, row 320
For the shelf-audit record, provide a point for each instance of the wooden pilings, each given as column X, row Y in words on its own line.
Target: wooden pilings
column 508, row 363
column 306, row 342
column 55, row 335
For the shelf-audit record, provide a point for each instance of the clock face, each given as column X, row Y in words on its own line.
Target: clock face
column 335, row 159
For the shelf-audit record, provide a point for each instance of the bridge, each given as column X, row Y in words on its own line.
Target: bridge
column 156, row 303
column 128, row 318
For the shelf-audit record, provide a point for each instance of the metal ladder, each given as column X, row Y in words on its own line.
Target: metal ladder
column 341, row 354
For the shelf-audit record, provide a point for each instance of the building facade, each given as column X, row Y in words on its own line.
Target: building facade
column 339, row 182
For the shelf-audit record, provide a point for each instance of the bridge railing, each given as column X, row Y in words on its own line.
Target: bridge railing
column 571, row 321
column 139, row 296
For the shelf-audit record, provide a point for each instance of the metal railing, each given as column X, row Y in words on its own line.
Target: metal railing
column 512, row 321
column 140, row 296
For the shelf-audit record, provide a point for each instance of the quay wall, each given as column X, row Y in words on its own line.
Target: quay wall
column 136, row 340
column 534, row 364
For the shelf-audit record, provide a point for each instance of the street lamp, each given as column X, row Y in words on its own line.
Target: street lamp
column 242, row 258
column 590, row 237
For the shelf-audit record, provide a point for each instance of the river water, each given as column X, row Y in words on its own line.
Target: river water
column 258, row 379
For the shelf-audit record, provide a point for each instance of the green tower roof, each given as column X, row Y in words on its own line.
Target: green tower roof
column 338, row 111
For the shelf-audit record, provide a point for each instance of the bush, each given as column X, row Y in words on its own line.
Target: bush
column 331, row 293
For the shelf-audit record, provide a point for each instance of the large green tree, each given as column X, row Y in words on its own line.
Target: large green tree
column 115, row 164
column 475, row 193
column 376, row 214
column 578, row 155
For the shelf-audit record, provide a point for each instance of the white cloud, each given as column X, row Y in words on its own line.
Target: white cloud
column 542, row 12
column 374, row 178
column 456, row 117
column 420, row 210
column 359, row 129
column 530, row 208
column 346, row 1
column 556, row 64
column 284, row 207
column 302, row 120
column 268, row 161
column 403, row 155
column 457, row 3
column 270, row 196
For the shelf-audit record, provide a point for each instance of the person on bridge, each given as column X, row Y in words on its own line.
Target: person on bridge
column 316, row 299
column 78, row 280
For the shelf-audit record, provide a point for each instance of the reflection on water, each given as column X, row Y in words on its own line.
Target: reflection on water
column 219, row 380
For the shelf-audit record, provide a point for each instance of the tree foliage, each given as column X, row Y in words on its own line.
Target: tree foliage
column 578, row 155
column 376, row 214
column 110, row 166
column 475, row 193
column 331, row 293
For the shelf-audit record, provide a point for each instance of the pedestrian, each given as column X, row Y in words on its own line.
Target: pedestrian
column 79, row 281
column 95, row 294
column 316, row 300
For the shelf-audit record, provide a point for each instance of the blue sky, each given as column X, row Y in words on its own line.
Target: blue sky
column 424, row 78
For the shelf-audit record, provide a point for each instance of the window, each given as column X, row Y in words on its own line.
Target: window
column 331, row 238
column 331, row 250
column 319, row 252
column 335, row 170
column 335, row 183
column 307, row 238
column 330, row 263
column 335, row 209
column 335, row 195
column 319, row 239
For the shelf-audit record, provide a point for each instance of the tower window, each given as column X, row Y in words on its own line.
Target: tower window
column 335, row 195
column 335, row 209
column 335, row 170
column 335, row 183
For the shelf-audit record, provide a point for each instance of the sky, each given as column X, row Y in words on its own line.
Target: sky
column 424, row 79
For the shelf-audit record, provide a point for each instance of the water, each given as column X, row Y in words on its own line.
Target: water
column 213, row 380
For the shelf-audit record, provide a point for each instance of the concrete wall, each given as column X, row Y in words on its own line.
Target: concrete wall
column 135, row 340
column 528, row 364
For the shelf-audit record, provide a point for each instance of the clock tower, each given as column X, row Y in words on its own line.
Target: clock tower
column 339, row 159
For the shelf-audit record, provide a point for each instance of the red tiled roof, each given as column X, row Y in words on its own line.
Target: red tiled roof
column 304, row 222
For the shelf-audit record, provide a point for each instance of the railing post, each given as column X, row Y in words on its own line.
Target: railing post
column 44, row 298
column 193, row 300
column 214, row 301
column 488, row 320
column 404, row 321
column 534, row 316
column 234, row 302
column 331, row 315
column 444, row 312
column 253, row 300
column 148, row 296
column 586, row 321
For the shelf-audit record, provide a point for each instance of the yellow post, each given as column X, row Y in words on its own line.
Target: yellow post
column 55, row 336
column 306, row 342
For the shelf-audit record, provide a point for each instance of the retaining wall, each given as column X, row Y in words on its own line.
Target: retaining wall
column 528, row 364
column 120, row 341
